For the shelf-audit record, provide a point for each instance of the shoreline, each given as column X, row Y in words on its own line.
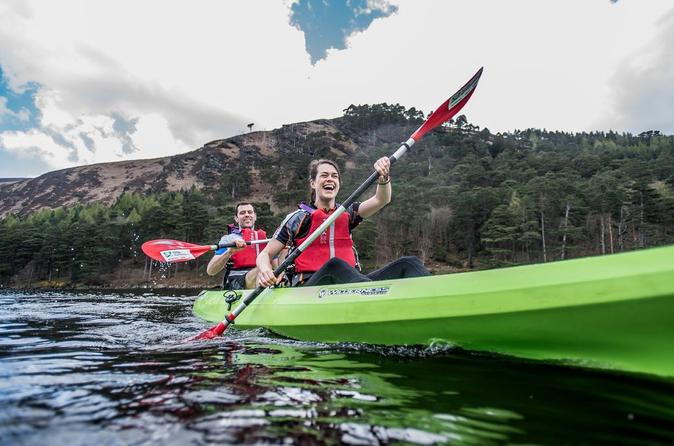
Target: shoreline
column 161, row 290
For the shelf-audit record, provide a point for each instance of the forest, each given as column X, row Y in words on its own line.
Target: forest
column 463, row 199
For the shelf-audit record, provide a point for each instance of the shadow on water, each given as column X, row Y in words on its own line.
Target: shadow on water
column 110, row 369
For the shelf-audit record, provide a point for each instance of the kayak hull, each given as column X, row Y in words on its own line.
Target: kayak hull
column 613, row 312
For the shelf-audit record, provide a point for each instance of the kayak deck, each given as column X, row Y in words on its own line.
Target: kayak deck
column 613, row 311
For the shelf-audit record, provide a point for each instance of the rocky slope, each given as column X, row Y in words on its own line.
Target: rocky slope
column 202, row 168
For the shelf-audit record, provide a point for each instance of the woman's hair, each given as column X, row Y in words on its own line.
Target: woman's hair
column 313, row 173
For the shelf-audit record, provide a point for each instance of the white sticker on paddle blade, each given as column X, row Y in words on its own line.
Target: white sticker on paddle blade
column 177, row 255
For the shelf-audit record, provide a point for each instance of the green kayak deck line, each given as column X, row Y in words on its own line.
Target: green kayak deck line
column 614, row 311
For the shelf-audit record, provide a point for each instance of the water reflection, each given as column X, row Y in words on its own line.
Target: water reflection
column 359, row 402
column 110, row 369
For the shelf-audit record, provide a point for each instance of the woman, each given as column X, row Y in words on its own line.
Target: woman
column 330, row 258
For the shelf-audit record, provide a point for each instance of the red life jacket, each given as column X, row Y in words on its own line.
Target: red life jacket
column 335, row 241
column 246, row 257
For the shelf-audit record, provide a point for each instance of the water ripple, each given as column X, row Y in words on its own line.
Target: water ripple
column 112, row 369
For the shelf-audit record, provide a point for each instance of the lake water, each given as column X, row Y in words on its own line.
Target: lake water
column 110, row 369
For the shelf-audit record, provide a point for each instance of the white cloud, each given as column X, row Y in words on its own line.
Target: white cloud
column 643, row 86
column 35, row 144
column 96, row 62
column 547, row 64
column 64, row 142
column 175, row 75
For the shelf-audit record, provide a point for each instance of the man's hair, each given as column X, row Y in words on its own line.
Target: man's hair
column 313, row 173
column 243, row 203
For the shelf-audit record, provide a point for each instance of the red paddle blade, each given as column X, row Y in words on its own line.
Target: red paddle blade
column 211, row 333
column 173, row 251
column 449, row 108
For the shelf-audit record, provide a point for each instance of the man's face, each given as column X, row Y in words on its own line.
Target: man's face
column 326, row 182
column 245, row 216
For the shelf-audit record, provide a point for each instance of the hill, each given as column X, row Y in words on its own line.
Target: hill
column 203, row 168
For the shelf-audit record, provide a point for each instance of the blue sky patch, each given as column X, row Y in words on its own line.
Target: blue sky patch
column 17, row 109
column 328, row 23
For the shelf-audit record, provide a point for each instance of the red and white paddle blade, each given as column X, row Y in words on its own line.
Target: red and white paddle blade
column 211, row 333
column 449, row 108
column 172, row 251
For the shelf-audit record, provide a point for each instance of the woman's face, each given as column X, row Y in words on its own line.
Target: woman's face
column 326, row 182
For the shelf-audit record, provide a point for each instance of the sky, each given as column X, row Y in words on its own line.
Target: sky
column 83, row 82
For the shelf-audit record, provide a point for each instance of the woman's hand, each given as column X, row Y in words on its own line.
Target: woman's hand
column 265, row 278
column 383, row 166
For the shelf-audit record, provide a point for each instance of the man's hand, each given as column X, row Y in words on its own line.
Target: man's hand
column 240, row 244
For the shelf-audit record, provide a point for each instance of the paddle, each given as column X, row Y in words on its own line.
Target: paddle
column 443, row 113
column 174, row 251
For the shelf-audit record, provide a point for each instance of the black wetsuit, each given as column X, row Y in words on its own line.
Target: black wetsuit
column 336, row 271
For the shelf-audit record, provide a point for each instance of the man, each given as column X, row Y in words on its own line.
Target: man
column 330, row 259
column 239, row 260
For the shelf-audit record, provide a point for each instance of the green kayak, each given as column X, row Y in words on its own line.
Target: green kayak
column 614, row 311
